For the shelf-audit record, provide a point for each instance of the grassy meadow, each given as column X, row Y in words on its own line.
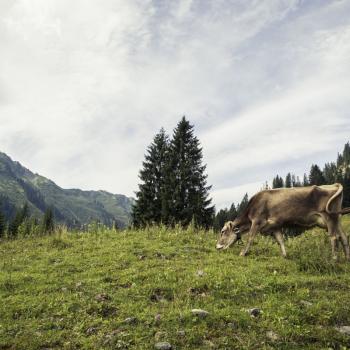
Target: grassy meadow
column 134, row 289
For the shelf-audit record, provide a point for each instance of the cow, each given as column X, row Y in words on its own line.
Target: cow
column 269, row 211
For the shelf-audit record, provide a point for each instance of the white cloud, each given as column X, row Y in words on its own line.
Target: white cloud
column 84, row 86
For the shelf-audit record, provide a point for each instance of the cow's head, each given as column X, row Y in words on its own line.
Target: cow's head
column 230, row 234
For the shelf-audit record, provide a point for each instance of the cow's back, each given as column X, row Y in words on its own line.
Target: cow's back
column 291, row 204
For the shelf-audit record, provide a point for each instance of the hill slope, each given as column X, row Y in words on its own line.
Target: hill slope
column 132, row 289
column 71, row 206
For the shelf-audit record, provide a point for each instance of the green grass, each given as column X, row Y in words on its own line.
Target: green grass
column 74, row 291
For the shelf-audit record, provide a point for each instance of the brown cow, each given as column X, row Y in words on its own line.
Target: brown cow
column 270, row 210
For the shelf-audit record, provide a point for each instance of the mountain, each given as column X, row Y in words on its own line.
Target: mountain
column 73, row 207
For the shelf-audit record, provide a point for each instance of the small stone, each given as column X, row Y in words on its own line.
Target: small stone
column 305, row 303
column 272, row 335
column 157, row 317
column 254, row 312
column 181, row 333
column 343, row 329
column 231, row 325
column 200, row 273
column 102, row 297
column 91, row 330
column 208, row 344
column 130, row 320
column 200, row 313
column 163, row 345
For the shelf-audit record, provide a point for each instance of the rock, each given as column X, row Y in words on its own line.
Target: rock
column 254, row 312
column 91, row 330
column 200, row 313
column 102, row 297
column 208, row 344
column 163, row 345
column 343, row 329
column 232, row 325
column 305, row 303
column 181, row 333
column 130, row 320
column 272, row 335
column 200, row 273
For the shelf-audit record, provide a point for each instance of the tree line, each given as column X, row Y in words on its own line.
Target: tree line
column 23, row 224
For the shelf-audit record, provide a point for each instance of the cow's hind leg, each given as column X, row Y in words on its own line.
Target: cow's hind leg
column 279, row 238
column 332, row 226
column 252, row 233
column 344, row 241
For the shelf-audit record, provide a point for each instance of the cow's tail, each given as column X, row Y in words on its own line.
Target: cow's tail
column 335, row 195
column 345, row 211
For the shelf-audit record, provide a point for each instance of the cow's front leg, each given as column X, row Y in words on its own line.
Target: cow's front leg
column 252, row 233
column 279, row 238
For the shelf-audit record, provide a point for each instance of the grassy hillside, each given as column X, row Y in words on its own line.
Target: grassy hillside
column 132, row 289
column 71, row 206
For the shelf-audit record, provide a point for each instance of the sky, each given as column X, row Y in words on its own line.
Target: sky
column 85, row 86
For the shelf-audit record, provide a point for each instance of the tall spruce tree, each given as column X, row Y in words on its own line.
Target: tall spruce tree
column 316, row 177
column 19, row 218
column 150, row 206
column 186, row 191
column 243, row 205
column 288, row 182
column 48, row 221
column 277, row 182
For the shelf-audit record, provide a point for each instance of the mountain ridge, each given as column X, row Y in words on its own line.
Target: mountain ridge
column 74, row 207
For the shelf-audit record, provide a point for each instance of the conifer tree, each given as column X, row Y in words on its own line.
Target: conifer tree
column 48, row 221
column 277, row 182
column 306, row 181
column 243, row 205
column 150, row 206
column 220, row 219
column 288, row 182
column 232, row 213
column 316, row 176
column 19, row 218
column 186, row 190
column 330, row 173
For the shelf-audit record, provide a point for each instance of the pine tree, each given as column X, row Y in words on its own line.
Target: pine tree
column 20, row 216
column 232, row 213
column 150, row 206
column 330, row 173
column 186, row 190
column 277, row 182
column 288, row 182
column 243, row 205
column 220, row 219
column 306, row 181
column 48, row 221
column 316, row 176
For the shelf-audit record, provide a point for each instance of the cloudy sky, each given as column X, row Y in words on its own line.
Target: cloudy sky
column 85, row 85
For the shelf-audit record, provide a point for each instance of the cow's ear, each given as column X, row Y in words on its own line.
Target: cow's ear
column 231, row 225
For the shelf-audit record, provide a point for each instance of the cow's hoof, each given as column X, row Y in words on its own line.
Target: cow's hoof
column 242, row 254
